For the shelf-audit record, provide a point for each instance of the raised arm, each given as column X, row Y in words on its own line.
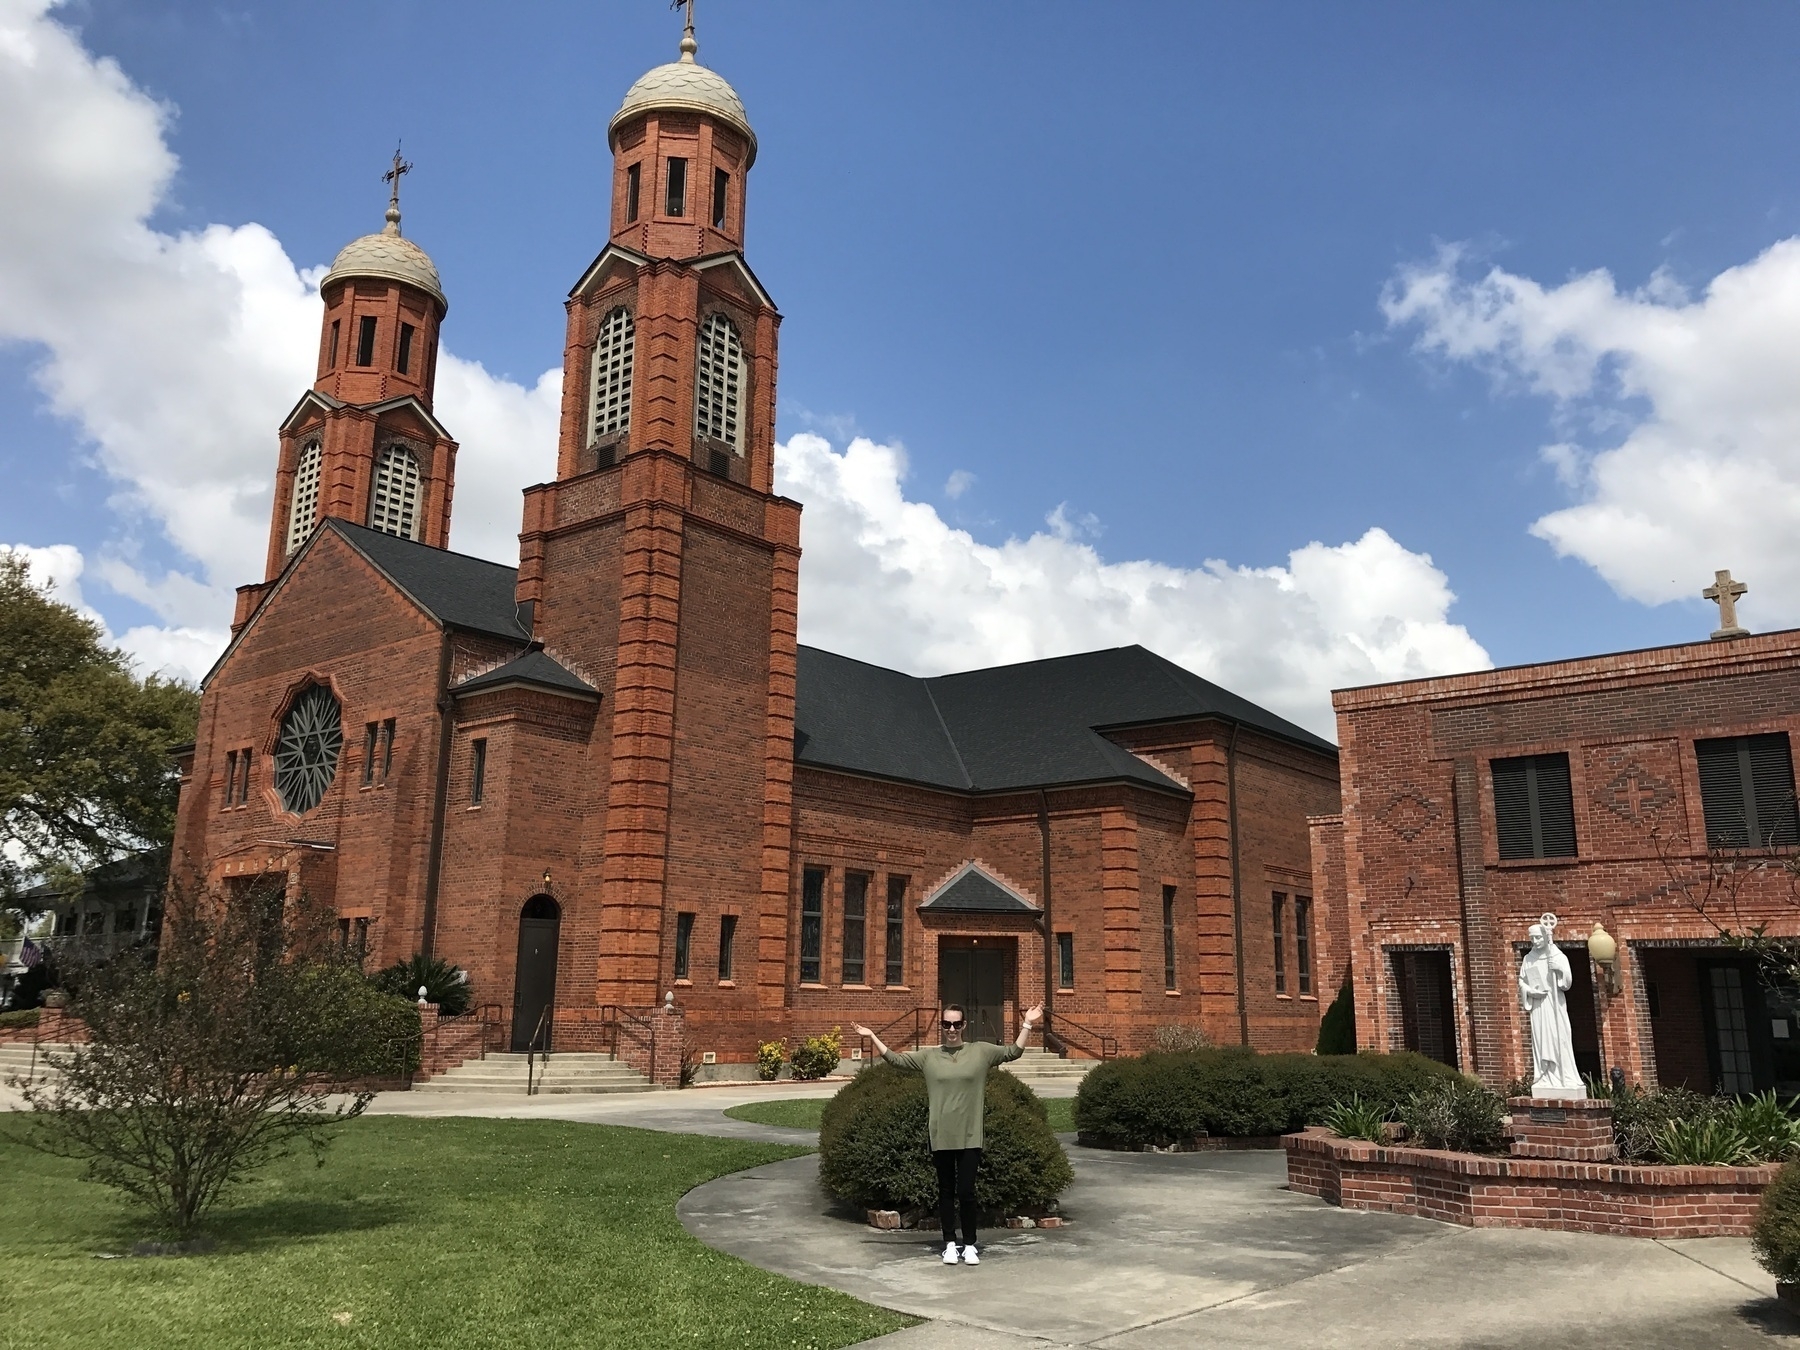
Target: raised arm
column 880, row 1049
column 1033, row 1015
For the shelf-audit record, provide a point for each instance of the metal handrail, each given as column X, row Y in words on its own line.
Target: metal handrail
column 1054, row 1021
column 617, row 1019
column 911, row 1015
column 531, row 1049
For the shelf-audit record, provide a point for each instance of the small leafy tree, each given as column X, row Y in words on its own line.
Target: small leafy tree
column 222, row 1055
column 444, row 984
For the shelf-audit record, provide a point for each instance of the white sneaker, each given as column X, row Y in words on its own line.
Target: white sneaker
column 969, row 1257
column 950, row 1254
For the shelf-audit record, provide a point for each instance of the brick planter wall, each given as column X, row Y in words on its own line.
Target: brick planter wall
column 1495, row 1192
column 55, row 1026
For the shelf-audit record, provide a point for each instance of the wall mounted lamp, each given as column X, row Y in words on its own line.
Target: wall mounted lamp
column 1604, row 952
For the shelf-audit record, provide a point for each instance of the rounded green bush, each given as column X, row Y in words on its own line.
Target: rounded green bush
column 1776, row 1237
column 875, row 1151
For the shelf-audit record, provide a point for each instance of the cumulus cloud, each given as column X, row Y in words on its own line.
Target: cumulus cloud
column 1677, row 416
column 959, row 482
column 885, row 579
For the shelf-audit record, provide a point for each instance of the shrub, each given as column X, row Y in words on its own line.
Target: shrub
column 1641, row 1115
column 24, row 1017
column 1770, row 1131
column 1776, row 1237
column 1178, row 1038
column 770, row 1056
column 875, row 1149
column 1163, row 1099
column 1337, row 1029
column 1709, row 1142
column 1357, row 1119
column 819, row 1055
column 1461, row 1115
column 445, row 985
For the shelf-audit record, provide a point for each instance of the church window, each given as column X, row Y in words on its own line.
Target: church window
column 896, row 930
column 477, row 771
column 303, row 504
column 856, row 914
column 633, row 179
column 721, row 197
column 719, row 382
column 1169, row 938
column 406, row 342
column 365, row 341
column 684, row 943
column 611, row 396
column 371, row 733
column 387, row 748
column 1280, row 904
column 244, row 760
column 306, row 752
column 1747, row 791
column 231, row 757
column 1065, row 960
column 727, row 940
column 676, row 205
column 1534, row 809
column 331, row 360
column 1303, row 968
column 812, row 924
column 394, row 505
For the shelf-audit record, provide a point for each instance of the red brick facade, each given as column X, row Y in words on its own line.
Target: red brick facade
column 658, row 778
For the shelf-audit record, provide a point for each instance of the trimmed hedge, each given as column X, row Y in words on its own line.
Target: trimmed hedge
column 875, row 1152
column 1776, row 1237
column 1163, row 1099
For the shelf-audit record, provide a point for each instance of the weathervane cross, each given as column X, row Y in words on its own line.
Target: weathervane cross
column 688, row 43
column 394, row 175
column 1726, row 592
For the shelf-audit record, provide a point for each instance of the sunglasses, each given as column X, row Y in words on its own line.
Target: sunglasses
column 951, row 1026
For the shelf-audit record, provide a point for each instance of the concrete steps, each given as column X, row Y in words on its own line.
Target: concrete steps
column 499, row 1072
column 1039, row 1068
column 16, row 1061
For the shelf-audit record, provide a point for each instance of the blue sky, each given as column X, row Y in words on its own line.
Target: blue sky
column 1179, row 270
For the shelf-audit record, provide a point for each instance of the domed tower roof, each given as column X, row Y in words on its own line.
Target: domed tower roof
column 388, row 256
column 687, row 86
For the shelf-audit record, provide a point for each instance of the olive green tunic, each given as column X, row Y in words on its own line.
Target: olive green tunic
column 954, row 1080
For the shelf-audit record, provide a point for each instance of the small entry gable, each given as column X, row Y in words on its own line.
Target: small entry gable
column 973, row 889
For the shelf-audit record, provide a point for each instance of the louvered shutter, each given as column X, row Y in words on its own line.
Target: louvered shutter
column 1772, row 776
column 1512, row 808
column 1556, row 807
column 1722, row 793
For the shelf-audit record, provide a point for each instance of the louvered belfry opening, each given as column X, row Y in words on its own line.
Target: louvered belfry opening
column 610, row 398
column 1747, row 791
column 1534, row 807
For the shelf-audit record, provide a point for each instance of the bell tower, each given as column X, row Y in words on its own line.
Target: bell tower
column 661, row 562
column 363, row 444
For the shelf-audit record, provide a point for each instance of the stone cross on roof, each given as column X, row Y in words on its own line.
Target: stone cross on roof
column 1726, row 592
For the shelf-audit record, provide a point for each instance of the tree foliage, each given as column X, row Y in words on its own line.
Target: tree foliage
column 221, row 1055
column 85, row 773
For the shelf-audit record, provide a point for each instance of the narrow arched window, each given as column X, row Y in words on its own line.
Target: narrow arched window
column 303, row 505
column 720, row 382
column 611, row 398
column 394, row 505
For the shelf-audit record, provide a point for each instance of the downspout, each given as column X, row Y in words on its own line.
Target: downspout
column 434, row 863
column 1237, row 890
column 1044, row 892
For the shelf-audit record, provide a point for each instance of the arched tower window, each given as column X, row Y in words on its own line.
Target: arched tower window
column 394, row 505
column 611, row 400
column 303, row 506
column 719, row 385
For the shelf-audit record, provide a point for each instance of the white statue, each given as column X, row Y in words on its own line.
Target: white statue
column 1544, row 979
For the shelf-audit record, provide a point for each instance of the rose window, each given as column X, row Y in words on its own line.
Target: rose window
column 306, row 755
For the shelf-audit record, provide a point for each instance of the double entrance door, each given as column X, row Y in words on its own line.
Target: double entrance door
column 975, row 977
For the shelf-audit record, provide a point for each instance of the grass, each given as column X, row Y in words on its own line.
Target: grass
column 803, row 1113
column 417, row 1233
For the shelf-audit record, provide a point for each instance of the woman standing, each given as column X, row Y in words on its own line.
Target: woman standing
column 955, row 1082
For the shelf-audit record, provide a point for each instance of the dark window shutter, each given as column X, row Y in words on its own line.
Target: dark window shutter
column 1512, row 808
column 1722, row 793
column 1556, row 807
column 1772, row 775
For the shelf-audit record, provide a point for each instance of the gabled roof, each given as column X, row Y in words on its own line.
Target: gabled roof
column 972, row 889
column 603, row 257
column 535, row 669
column 312, row 398
column 325, row 403
column 1036, row 724
column 458, row 591
column 735, row 261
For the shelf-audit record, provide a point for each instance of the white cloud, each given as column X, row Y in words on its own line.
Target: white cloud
column 1678, row 417
column 885, row 579
column 959, row 482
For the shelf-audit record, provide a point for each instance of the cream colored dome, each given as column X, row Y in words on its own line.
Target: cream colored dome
column 390, row 257
column 690, row 87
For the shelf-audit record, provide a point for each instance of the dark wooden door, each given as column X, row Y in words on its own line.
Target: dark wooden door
column 975, row 977
column 534, row 978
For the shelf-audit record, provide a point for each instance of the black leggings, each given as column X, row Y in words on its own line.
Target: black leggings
column 956, row 1186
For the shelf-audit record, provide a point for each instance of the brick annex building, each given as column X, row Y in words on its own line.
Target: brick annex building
column 612, row 773
column 1650, row 792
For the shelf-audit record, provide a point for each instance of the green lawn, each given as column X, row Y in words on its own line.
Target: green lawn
column 803, row 1113
column 417, row 1233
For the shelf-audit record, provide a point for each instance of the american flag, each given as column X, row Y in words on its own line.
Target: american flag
column 30, row 954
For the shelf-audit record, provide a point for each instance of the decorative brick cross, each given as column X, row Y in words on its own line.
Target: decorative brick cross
column 1726, row 592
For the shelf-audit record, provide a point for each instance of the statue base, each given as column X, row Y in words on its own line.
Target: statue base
column 1544, row 1092
column 1572, row 1129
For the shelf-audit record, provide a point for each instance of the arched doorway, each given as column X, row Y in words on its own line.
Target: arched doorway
column 534, row 975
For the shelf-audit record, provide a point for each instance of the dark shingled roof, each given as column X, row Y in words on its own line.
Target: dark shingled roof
column 455, row 589
column 534, row 668
column 975, row 890
column 1008, row 727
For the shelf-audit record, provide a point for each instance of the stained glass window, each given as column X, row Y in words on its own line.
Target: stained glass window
column 306, row 755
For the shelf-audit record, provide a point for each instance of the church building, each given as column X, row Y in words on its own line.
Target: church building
column 612, row 776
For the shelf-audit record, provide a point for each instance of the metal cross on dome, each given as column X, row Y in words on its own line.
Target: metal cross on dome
column 1725, row 592
column 394, row 175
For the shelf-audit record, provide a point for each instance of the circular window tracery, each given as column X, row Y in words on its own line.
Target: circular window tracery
column 306, row 754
